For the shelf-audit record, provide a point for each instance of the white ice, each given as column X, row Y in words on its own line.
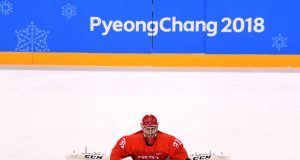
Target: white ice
column 249, row 114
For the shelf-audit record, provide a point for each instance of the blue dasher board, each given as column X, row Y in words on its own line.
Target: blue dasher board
column 151, row 26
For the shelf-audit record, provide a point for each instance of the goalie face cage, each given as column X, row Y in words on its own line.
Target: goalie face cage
column 150, row 131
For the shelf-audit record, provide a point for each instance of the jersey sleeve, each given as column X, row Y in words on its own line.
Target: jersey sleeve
column 178, row 151
column 119, row 151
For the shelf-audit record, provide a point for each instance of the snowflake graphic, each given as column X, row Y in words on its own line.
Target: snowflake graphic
column 5, row 7
column 68, row 10
column 32, row 39
column 279, row 42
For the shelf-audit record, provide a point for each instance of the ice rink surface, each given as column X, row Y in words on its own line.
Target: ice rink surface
column 46, row 113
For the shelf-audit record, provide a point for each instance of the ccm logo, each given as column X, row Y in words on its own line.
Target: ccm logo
column 201, row 157
column 93, row 157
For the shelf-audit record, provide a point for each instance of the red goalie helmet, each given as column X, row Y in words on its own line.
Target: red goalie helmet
column 149, row 126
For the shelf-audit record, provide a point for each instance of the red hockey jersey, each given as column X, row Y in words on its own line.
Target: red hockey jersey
column 164, row 147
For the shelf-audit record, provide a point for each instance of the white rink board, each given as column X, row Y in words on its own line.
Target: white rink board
column 248, row 114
